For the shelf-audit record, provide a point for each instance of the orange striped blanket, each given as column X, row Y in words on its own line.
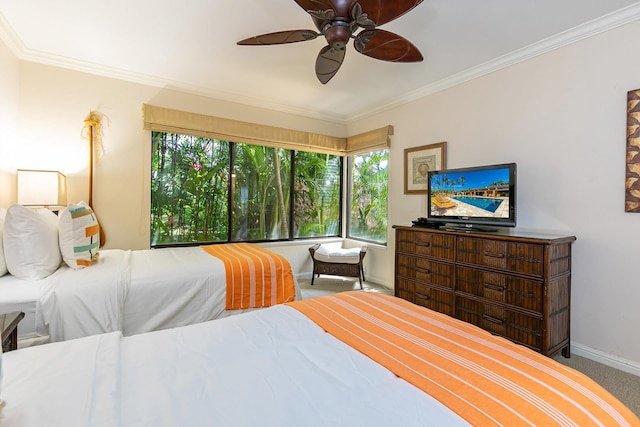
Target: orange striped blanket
column 256, row 277
column 486, row 380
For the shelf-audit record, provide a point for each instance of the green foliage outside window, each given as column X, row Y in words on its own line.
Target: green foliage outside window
column 317, row 195
column 192, row 200
column 189, row 189
column 368, row 196
column 260, row 193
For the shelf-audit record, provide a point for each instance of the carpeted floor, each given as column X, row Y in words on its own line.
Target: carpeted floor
column 624, row 386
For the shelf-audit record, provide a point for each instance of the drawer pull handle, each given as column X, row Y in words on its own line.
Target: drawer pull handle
column 494, row 287
column 492, row 319
column 423, row 296
column 493, row 255
column 424, row 270
column 425, row 244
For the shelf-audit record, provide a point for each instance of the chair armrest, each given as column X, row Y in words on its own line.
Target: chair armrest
column 363, row 252
column 313, row 249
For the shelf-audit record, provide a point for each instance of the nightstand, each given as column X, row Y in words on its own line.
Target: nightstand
column 9, row 326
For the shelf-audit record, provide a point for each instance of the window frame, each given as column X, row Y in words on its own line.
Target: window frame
column 231, row 195
column 348, row 197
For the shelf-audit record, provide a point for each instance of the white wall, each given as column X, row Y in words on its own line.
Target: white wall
column 53, row 105
column 562, row 117
column 9, row 96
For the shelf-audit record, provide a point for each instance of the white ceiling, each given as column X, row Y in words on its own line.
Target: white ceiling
column 191, row 46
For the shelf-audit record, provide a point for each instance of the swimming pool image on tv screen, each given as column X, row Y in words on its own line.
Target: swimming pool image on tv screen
column 486, row 203
column 482, row 193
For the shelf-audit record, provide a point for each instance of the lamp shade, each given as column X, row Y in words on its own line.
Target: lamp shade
column 42, row 188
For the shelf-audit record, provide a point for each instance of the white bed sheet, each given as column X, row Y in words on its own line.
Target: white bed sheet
column 89, row 301
column 272, row 367
column 72, row 383
column 174, row 287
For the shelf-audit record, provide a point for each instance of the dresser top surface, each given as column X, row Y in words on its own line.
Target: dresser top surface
column 500, row 234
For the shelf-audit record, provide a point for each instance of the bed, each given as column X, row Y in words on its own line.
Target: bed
column 350, row 359
column 131, row 291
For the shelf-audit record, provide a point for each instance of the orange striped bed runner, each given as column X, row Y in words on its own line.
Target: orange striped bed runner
column 256, row 277
column 485, row 379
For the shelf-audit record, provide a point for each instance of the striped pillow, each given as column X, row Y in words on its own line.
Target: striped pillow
column 79, row 235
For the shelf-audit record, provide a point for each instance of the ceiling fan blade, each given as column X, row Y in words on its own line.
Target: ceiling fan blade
column 381, row 12
column 308, row 5
column 386, row 46
column 280, row 37
column 321, row 11
column 328, row 63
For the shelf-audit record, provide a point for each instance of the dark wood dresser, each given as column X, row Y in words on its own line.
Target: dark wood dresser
column 516, row 285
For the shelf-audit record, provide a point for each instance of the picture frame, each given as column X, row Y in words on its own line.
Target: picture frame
column 418, row 161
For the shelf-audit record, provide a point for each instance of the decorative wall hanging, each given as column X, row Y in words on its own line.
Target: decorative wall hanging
column 418, row 161
column 92, row 131
column 632, row 196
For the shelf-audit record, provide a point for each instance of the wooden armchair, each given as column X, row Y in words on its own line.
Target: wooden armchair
column 338, row 262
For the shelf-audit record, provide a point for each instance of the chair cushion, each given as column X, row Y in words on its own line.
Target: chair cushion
column 337, row 255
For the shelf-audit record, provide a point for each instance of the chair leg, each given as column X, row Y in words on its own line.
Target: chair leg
column 360, row 276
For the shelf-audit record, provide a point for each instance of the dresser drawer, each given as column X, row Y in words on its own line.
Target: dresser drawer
column 524, row 258
column 515, row 291
column 404, row 289
column 435, row 245
column 426, row 296
column 518, row 327
column 434, row 299
column 425, row 270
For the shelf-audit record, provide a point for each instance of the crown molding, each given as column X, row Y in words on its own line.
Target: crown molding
column 17, row 47
column 597, row 26
column 605, row 23
column 10, row 38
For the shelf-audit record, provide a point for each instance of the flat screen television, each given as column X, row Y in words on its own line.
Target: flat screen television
column 476, row 196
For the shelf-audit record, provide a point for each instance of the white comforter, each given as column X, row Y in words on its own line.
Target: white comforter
column 134, row 292
column 272, row 367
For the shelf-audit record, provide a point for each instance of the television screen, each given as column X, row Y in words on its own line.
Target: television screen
column 482, row 195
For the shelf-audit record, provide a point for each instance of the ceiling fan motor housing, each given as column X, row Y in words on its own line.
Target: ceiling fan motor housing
column 337, row 34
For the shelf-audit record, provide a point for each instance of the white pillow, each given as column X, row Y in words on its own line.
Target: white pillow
column 3, row 264
column 79, row 235
column 31, row 242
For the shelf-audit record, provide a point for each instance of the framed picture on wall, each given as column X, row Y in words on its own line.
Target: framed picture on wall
column 418, row 161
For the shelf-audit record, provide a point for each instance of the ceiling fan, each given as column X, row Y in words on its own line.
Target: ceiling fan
column 338, row 21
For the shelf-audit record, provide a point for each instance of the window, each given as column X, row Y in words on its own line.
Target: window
column 209, row 190
column 368, row 186
column 189, row 189
column 317, row 194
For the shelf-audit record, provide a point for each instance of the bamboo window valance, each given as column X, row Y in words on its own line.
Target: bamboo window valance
column 173, row 121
